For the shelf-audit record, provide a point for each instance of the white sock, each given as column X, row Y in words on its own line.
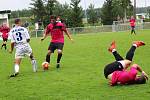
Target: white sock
column 135, row 45
column 16, row 68
column 34, row 65
column 113, row 50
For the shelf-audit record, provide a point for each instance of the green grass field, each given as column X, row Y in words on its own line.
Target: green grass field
column 81, row 76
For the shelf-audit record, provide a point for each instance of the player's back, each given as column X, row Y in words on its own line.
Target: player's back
column 19, row 35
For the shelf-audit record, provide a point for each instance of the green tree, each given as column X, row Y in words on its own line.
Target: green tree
column 21, row 13
column 38, row 9
column 92, row 15
column 65, row 13
column 49, row 9
column 107, row 13
column 126, row 5
column 122, row 8
column 76, row 14
column 50, row 6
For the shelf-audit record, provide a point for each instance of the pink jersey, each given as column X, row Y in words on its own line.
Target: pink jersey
column 124, row 77
column 56, row 32
column 4, row 30
column 132, row 22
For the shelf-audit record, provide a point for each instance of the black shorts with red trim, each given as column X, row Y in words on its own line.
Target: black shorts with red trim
column 53, row 46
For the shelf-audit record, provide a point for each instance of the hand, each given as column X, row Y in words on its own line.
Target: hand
column 146, row 76
column 72, row 40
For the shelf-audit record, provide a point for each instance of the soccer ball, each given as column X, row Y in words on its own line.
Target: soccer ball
column 45, row 65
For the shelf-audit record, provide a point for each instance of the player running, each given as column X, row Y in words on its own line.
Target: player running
column 20, row 40
column 115, row 71
column 132, row 24
column 4, row 29
column 55, row 29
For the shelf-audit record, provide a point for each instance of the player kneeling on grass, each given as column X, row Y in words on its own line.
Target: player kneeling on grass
column 55, row 29
column 20, row 39
column 116, row 72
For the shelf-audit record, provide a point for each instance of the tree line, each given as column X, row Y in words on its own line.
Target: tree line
column 72, row 14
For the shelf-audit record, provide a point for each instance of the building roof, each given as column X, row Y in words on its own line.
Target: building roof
column 5, row 11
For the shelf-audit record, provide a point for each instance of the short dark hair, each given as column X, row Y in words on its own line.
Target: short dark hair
column 140, row 80
column 52, row 17
column 17, row 20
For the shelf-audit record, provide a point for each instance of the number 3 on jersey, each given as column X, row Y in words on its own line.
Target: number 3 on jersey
column 19, row 37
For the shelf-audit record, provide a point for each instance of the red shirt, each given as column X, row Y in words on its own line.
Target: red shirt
column 124, row 77
column 132, row 22
column 56, row 32
column 4, row 30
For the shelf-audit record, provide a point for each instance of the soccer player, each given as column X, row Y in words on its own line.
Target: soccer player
column 121, row 64
column 4, row 29
column 132, row 24
column 55, row 29
column 128, row 77
column 20, row 40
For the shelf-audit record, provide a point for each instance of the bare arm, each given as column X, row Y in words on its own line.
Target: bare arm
column 45, row 34
column 68, row 34
column 140, row 70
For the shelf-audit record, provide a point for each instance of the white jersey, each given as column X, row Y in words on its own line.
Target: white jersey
column 19, row 36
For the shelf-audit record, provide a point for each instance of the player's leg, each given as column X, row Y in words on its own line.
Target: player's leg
column 134, row 30
column 16, row 67
column 51, row 50
column 130, row 53
column 113, row 50
column 28, row 52
column 48, row 56
column 3, row 43
column 18, row 56
column 59, row 56
column 34, row 62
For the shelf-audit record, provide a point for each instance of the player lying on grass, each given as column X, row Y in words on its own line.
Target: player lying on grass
column 117, row 72
column 55, row 29
column 20, row 40
column 4, row 29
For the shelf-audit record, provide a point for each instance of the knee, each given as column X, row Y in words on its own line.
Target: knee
column 31, row 56
column 128, row 62
column 17, row 61
column 49, row 52
column 59, row 51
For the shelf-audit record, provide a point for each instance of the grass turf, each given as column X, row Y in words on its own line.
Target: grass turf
column 81, row 76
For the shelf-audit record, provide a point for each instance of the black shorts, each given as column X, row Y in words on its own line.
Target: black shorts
column 132, row 27
column 5, row 39
column 53, row 46
column 110, row 68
